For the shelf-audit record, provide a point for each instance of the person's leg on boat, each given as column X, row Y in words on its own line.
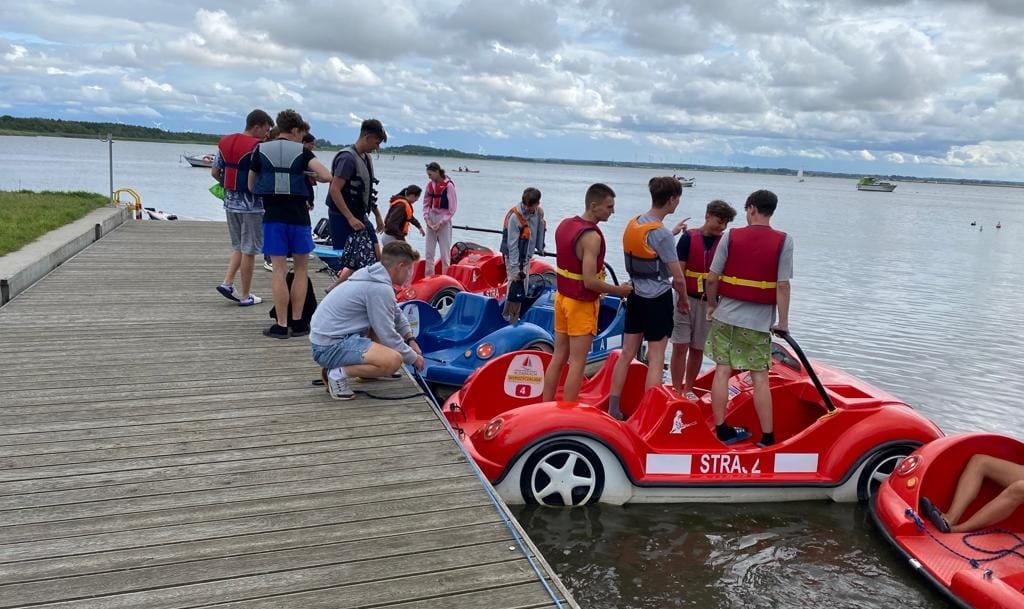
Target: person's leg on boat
column 630, row 348
column 559, row 358
column 1005, row 473
column 429, row 245
column 444, row 243
column 763, row 406
column 720, row 346
column 699, row 326
column 656, row 362
column 680, row 340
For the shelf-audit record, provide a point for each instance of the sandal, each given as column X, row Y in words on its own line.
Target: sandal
column 932, row 513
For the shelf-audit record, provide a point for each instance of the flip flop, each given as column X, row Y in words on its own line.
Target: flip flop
column 932, row 513
column 741, row 434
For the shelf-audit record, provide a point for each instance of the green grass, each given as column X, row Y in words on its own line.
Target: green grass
column 25, row 215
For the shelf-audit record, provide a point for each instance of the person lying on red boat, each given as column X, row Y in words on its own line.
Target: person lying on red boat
column 1005, row 473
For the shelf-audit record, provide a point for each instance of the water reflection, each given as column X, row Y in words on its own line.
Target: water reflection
column 766, row 555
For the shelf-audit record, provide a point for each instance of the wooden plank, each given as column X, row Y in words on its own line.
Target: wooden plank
column 39, row 540
column 495, row 558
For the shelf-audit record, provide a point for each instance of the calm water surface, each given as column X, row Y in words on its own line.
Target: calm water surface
column 897, row 288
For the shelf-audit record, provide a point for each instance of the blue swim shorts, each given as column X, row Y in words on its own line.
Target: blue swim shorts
column 280, row 239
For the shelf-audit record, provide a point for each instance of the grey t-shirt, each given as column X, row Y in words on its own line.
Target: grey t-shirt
column 661, row 241
column 752, row 315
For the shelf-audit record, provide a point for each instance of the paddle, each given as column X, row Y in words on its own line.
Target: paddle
column 784, row 335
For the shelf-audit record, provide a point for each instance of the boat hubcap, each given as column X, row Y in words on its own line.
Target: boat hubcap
column 563, row 477
column 882, row 470
column 444, row 304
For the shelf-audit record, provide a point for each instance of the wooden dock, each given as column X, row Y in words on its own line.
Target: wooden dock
column 156, row 451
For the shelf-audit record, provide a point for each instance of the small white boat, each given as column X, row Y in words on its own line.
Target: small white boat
column 205, row 160
column 159, row 214
column 873, row 185
column 800, row 175
column 686, row 182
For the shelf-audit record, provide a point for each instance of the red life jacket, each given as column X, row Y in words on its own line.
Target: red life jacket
column 436, row 196
column 698, row 262
column 751, row 270
column 236, row 151
column 569, row 268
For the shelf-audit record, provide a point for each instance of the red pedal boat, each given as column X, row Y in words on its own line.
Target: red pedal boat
column 838, row 437
column 474, row 268
column 983, row 569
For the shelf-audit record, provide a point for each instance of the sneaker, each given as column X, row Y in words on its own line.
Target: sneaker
column 339, row 389
column 298, row 327
column 268, row 266
column 276, row 331
column 228, row 291
column 250, row 300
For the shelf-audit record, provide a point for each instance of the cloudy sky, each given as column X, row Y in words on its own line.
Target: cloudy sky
column 926, row 88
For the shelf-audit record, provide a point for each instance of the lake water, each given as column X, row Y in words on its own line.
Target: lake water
column 897, row 288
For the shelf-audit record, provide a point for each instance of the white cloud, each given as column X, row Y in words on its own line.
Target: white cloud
column 866, row 155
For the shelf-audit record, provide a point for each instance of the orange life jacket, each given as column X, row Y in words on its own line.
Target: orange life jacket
column 642, row 262
column 408, row 212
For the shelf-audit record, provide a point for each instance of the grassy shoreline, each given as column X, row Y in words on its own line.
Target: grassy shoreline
column 26, row 215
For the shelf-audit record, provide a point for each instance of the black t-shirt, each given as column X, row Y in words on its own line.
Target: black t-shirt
column 286, row 209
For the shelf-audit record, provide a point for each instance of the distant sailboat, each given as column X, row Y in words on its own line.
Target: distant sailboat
column 800, row 175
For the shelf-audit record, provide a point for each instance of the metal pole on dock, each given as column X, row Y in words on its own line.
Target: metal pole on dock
column 110, row 163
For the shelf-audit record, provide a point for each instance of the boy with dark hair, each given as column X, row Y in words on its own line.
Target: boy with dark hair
column 751, row 272
column 580, row 249
column 654, row 271
column 523, row 234
column 244, row 211
column 278, row 174
column 352, row 196
column 696, row 249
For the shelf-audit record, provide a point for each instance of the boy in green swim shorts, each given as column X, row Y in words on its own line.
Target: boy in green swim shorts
column 750, row 272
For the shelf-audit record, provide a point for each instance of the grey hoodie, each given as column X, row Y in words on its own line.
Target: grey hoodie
column 366, row 301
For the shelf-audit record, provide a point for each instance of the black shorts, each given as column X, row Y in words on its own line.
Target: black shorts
column 651, row 317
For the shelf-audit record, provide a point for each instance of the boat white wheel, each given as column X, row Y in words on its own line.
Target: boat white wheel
column 562, row 473
column 443, row 300
column 878, row 470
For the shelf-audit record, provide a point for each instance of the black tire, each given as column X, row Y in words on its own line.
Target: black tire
column 573, row 458
column 444, row 299
column 878, row 468
column 539, row 345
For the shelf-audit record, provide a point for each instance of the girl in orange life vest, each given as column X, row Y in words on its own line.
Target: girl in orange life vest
column 400, row 215
column 439, row 205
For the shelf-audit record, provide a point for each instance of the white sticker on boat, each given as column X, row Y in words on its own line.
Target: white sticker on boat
column 413, row 313
column 614, row 342
column 796, row 463
column 678, row 425
column 524, row 377
column 668, row 464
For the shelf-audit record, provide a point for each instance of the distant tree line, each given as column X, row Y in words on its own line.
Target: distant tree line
column 10, row 125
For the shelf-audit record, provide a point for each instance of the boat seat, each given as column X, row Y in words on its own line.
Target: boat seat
column 471, row 316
